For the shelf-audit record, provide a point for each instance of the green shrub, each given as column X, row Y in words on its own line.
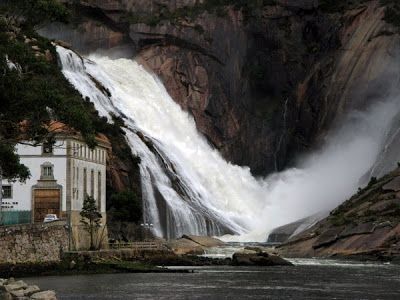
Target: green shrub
column 126, row 207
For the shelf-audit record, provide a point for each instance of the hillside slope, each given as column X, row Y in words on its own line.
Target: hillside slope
column 365, row 226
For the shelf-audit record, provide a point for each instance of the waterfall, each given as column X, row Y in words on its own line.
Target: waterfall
column 188, row 188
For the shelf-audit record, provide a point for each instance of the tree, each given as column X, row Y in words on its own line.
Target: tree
column 126, row 207
column 90, row 218
column 33, row 93
column 33, row 13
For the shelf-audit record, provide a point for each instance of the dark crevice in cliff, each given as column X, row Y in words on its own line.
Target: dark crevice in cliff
column 80, row 11
column 168, row 40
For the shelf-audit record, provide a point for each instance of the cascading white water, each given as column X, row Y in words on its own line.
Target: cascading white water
column 217, row 197
column 188, row 187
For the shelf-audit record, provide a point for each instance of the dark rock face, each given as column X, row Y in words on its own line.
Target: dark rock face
column 262, row 84
column 365, row 226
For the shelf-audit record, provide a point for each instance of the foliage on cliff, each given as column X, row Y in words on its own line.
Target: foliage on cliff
column 125, row 207
column 33, row 92
column 392, row 12
column 32, row 88
column 217, row 7
column 32, row 13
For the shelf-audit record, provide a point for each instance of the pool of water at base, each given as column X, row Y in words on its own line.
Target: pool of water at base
column 308, row 279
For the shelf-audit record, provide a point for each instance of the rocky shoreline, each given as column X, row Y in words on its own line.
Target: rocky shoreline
column 365, row 227
column 187, row 251
column 11, row 289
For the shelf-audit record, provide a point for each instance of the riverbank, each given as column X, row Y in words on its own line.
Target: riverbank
column 61, row 269
column 133, row 261
column 309, row 279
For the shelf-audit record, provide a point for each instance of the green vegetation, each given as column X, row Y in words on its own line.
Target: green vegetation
column 32, row 13
column 80, row 267
column 217, row 7
column 333, row 6
column 90, row 218
column 126, row 207
column 392, row 12
column 33, row 91
column 372, row 181
column 340, row 220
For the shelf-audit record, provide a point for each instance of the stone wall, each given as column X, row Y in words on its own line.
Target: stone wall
column 33, row 243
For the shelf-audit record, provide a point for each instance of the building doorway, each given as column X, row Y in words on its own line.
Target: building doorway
column 46, row 201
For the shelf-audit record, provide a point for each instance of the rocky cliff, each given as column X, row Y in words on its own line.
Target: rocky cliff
column 365, row 226
column 263, row 79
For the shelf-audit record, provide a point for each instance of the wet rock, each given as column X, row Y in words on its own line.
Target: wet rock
column 32, row 289
column 17, row 293
column 5, row 296
column 15, row 285
column 205, row 241
column 185, row 246
column 253, row 258
column 393, row 185
column 359, row 229
column 18, row 290
column 328, row 237
column 45, row 295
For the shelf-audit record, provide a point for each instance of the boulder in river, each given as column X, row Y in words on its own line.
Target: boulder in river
column 184, row 246
column 10, row 289
column 45, row 295
column 205, row 241
column 257, row 258
column 192, row 244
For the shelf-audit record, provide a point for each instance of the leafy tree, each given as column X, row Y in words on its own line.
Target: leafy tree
column 33, row 93
column 33, row 13
column 90, row 218
column 10, row 164
column 126, row 207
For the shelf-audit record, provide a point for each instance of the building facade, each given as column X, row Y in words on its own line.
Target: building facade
column 62, row 174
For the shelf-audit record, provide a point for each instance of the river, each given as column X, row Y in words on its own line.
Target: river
column 309, row 279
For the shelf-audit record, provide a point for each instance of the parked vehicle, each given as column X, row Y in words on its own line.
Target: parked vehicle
column 50, row 218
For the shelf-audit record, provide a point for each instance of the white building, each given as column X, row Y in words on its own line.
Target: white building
column 62, row 173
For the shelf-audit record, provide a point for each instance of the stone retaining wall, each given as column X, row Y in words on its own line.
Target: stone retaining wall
column 33, row 243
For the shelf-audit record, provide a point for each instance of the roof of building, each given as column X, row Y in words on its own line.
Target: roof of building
column 60, row 128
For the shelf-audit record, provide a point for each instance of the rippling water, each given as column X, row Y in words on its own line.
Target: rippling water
column 309, row 279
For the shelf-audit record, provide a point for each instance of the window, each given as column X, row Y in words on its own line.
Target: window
column 47, row 148
column 84, row 183
column 7, row 191
column 99, row 191
column 77, row 184
column 75, row 149
column 92, row 183
column 47, row 171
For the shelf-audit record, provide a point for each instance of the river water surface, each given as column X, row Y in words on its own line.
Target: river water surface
column 309, row 279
